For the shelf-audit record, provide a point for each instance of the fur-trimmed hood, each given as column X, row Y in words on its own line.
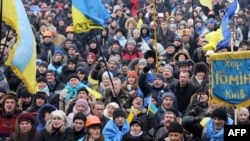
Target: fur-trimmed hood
column 42, row 110
column 130, row 20
column 177, row 54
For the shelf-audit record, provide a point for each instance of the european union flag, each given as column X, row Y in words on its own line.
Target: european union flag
column 88, row 14
column 22, row 57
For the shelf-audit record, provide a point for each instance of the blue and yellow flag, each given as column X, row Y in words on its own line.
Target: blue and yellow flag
column 207, row 3
column 88, row 14
column 22, row 57
column 226, row 33
column 151, row 107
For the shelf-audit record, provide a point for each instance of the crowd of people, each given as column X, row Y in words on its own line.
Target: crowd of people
column 148, row 52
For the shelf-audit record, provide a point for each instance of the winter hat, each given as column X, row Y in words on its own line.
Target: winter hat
column 25, row 93
column 113, row 104
column 74, row 47
column 168, row 94
column 41, row 94
column 160, row 76
column 113, row 59
column 183, row 63
column 83, row 89
column 51, row 71
column 58, row 51
column 200, row 67
column 82, row 102
column 220, row 113
column 137, row 120
column 175, row 127
column 169, row 67
column 131, row 41
column 73, row 75
column 44, row 64
column 142, row 61
column 80, row 116
column 58, row 113
column 9, row 95
column 92, row 55
column 150, row 53
column 80, row 69
column 106, row 75
column 132, row 74
column 173, row 110
column 26, row 116
column 118, row 113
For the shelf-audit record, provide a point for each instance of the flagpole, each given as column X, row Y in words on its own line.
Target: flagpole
column 155, row 36
column 112, row 84
column 1, row 16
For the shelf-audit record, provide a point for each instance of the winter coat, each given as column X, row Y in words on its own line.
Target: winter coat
column 68, row 135
column 143, row 137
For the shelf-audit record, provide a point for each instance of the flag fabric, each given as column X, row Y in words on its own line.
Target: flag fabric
column 213, row 38
column 207, row 3
column 22, row 57
column 151, row 107
column 130, row 116
column 88, row 14
column 96, row 94
column 226, row 33
column 139, row 23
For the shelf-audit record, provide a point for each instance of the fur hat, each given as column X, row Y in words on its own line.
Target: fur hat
column 185, row 32
column 175, row 127
column 26, row 116
column 118, row 113
column 200, row 67
column 220, row 113
column 132, row 74
column 9, row 95
column 150, row 53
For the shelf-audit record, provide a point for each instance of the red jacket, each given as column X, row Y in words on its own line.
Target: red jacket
column 129, row 57
column 7, row 124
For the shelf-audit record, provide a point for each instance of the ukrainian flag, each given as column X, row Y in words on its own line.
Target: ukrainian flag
column 88, row 14
column 207, row 3
column 225, row 42
column 22, row 57
column 151, row 107
column 221, row 38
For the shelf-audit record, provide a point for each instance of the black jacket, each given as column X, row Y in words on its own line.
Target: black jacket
column 68, row 135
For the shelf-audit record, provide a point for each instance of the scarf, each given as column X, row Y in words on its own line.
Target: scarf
column 72, row 91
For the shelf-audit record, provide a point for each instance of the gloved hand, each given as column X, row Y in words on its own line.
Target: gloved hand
column 98, row 66
column 146, row 69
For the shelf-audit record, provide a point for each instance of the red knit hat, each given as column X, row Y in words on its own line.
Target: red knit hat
column 25, row 116
column 132, row 74
column 91, row 54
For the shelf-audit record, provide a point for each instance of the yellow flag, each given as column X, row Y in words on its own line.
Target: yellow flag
column 207, row 3
column 139, row 23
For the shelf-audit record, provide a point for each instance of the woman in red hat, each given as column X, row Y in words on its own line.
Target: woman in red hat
column 25, row 129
